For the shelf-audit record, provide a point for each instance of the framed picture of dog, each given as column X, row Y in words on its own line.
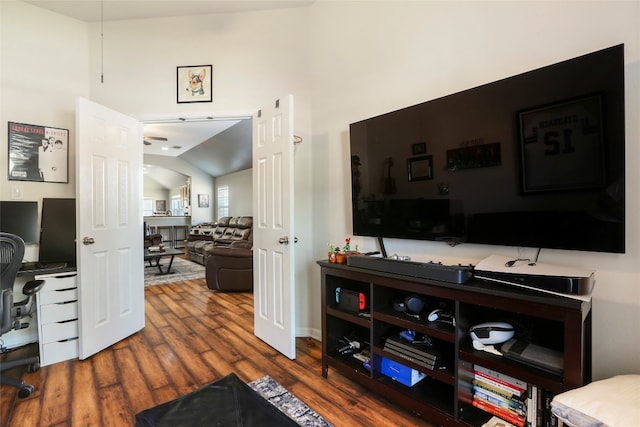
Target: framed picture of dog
column 194, row 84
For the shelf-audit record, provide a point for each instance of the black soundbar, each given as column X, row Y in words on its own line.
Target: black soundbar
column 423, row 270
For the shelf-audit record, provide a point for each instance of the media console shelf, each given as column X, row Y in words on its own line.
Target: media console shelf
column 445, row 395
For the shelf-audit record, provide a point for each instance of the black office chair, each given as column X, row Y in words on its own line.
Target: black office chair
column 11, row 313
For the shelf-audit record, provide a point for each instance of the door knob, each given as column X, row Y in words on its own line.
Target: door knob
column 88, row 241
column 285, row 240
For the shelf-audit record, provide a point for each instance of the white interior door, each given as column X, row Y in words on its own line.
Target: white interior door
column 273, row 239
column 109, row 226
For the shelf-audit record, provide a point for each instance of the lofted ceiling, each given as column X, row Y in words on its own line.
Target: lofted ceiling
column 216, row 146
column 117, row 10
column 158, row 177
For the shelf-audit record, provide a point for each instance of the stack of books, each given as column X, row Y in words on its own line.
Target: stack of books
column 502, row 395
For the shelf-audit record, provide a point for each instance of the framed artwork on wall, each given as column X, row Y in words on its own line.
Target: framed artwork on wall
column 418, row 148
column 562, row 145
column 38, row 153
column 203, row 200
column 161, row 205
column 194, row 84
column 420, row 168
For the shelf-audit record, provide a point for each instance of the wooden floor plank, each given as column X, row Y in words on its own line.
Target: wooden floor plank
column 85, row 406
column 192, row 337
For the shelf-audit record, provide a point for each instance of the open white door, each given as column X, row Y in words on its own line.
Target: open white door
column 109, row 226
column 273, row 238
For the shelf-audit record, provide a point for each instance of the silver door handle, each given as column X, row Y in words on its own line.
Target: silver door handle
column 88, row 241
column 285, row 240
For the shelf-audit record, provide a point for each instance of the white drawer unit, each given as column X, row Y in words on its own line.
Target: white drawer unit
column 58, row 317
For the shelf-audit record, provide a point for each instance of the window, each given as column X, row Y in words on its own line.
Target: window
column 223, row 201
column 147, row 206
column 176, row 205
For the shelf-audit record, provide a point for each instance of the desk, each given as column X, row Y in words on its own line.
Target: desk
column 167, row 252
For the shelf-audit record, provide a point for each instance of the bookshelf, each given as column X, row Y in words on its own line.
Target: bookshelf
column 446, row 395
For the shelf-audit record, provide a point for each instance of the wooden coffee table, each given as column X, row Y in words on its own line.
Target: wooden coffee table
column 157, row 255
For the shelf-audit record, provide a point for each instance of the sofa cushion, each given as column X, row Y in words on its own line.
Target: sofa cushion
column 200, row 245
column 224, row 221
column 244, row 222
column 219, row 232
column 613, row 401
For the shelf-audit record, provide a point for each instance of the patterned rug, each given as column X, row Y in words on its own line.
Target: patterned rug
column 229, row 402
column 184, row 270
column 282, row 399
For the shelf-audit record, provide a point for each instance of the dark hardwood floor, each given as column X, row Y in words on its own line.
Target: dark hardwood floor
column 192, row 337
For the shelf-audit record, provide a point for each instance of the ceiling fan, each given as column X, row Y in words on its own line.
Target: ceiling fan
column 146, row 140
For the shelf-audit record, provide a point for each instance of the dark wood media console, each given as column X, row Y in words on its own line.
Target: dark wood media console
column 445, row 396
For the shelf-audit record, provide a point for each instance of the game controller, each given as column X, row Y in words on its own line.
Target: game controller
column 441, row 315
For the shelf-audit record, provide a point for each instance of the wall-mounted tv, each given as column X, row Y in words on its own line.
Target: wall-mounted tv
column 534, row 160
column 20, row 218
column 58, row 232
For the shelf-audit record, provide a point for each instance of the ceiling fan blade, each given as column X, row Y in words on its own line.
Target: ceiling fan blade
column 156, row 138
column 145, row 142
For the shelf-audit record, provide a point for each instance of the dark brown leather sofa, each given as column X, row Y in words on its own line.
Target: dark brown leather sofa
column 230, row 268
column 228, row 230
column 227, row 254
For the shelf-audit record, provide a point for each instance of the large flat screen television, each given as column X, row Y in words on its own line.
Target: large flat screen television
column 534, row 160
column 58, row 232
column 20, row 218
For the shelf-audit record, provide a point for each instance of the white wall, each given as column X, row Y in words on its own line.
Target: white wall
column 201, row 183
column 369, row 58
column 240, row 194
column 343, row 61
column 39, row 82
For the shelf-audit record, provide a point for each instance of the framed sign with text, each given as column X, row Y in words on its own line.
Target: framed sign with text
column 38, row 153
column 561, row 146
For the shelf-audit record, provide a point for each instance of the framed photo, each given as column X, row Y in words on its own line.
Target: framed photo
column 203, row 200
column 419, row 148
column 38, row 153
column 420, row 168
column 561, row 146
column 195, row 84
column 161, row 205
column 474, row 156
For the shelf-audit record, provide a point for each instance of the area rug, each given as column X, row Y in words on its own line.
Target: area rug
column 229, row 402
column 286, row 402
column 184, row 270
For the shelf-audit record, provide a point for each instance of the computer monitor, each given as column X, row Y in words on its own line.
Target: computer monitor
column 58, row 231
column 20, row 218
